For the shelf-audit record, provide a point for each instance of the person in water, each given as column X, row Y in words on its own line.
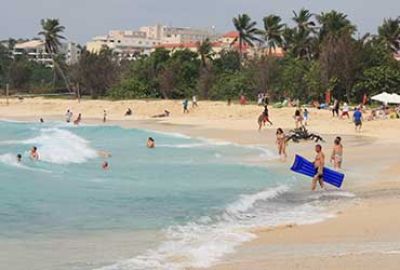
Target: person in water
column 337, row 153
column 150, row 143
column 41, row 120
column 319, row 164
column 105, row 165
column 78, row 119
column 281, row 142
column 19, row 158
column 68, row 116
column 34, row 153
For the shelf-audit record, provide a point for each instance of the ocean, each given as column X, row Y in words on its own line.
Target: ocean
column 186, row 203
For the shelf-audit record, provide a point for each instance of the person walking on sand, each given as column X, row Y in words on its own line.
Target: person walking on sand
column 281, row 143
column 319, row 164
column 194, row 101
column 357, row 118
column 337, row 153
column 335, row 108
column 185, row 105
column 104, row 116
column 345, row 111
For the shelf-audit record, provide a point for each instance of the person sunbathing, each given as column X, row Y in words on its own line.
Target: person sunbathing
column 165, row 114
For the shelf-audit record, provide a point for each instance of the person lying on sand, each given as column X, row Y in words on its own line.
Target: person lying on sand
column 34, row 153
column 150, row 143
column 165, row 114
column 319, row 164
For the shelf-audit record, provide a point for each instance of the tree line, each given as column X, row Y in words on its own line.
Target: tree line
column 321, row 52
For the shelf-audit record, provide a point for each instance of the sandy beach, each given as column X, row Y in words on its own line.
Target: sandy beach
column 364, row 232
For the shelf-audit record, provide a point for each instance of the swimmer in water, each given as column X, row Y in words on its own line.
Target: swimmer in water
column 105, row 165
column 150, row 143
column 19, row 157
column 34, row 153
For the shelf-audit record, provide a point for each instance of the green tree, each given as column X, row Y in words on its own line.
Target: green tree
column 389, row 33
column 51, row 32
column 205, row 51
column 247, row 31
column 334, row 24
column 273, row 30
column 231, row 85
column 377, row 79
column 303, row 20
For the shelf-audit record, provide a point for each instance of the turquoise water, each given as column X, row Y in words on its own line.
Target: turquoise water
column 199, row 195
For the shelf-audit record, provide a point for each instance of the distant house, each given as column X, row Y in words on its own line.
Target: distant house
column 35, row 50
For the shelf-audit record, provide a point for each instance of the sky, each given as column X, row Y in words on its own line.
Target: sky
column 84, row 19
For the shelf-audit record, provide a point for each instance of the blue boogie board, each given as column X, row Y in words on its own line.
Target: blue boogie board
column 303, row 166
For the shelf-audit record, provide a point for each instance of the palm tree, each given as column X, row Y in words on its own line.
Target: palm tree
column 273, row 32
column 247, row 32
column 334, row 24
column 51, row 32
column 303, row 20
column 205, row 51
column 389, row 33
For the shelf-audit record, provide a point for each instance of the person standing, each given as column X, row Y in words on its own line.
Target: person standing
column 194, row 101
column 305, row 116
column 345, row 111
column 337, row 153
column 68, row 116
column 335, row 108
column 357, row 118
column 319, row 164
column 104, row 116
column 185, row 105
column 281, row 142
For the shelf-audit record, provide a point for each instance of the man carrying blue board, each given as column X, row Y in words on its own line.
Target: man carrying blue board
column 319, row 164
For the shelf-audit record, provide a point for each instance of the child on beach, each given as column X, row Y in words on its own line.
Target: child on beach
column 337, row 153
column 319, row 164
column 281, row 142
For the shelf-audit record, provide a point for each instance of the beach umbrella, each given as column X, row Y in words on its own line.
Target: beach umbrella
column 395, row 99
column 383, row 97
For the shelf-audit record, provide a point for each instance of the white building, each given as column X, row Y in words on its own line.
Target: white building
column 35, row 50
column 128, row 44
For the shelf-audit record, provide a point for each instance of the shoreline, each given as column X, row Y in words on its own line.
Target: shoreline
column 377, row 193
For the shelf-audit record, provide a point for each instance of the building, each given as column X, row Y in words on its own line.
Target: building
column 128, row 44
column 125, row 44
column 35, row 50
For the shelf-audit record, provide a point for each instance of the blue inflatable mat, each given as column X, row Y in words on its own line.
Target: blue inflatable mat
column 303, row 166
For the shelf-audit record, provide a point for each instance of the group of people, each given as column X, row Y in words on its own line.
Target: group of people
column 319, row 161
column 68, row 117
column 33, row 155
column 185, row 104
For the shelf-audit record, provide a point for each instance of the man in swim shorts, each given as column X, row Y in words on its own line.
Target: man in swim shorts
column 34, row 153
column 357, row 117
column 319, row 164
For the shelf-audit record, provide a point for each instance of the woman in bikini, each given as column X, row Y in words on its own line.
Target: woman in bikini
column 281, row 142
column 337, row 153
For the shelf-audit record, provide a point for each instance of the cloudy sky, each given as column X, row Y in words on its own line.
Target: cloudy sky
column 86, row 18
